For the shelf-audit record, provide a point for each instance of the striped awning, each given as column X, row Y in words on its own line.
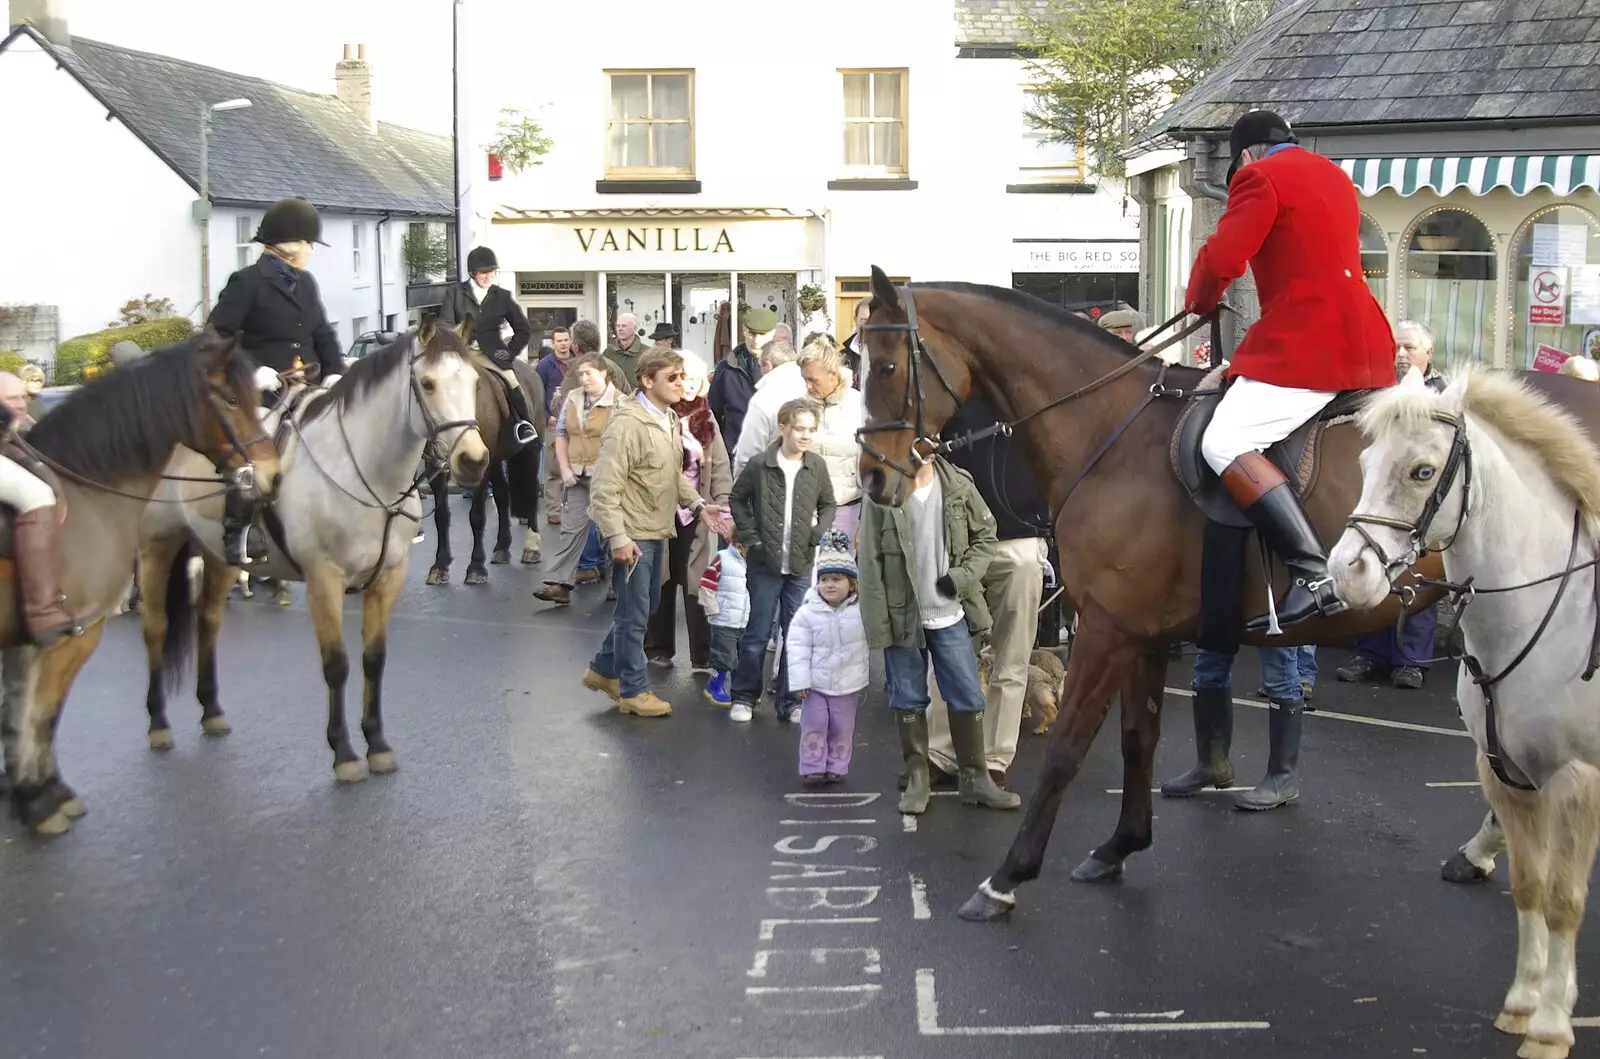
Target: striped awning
column 1479, row 174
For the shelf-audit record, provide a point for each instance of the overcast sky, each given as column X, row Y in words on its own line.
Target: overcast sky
column 295, row 42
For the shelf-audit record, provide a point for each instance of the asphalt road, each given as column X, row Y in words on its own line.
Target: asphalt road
column 546, row 877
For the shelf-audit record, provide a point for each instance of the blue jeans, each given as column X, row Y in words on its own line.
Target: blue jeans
column 1280, row 672
column 771, row 596
column 593, row 557
column 1413, row 648
column 955, row 666
column 622, row 653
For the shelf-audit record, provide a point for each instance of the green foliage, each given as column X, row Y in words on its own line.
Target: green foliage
column 426, row 253
column 1107, row 68
column 143, row 310
column 88, row 355
column 12, row 361
column 519, row 141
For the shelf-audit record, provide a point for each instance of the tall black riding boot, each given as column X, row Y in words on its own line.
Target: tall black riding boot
column 238, row 548
column 1267, row 499
column 524, row 429
column 1213, row 739
column 1281, row 784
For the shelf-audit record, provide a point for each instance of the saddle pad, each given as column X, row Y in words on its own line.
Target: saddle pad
column 501, row 389
column 1295, row 456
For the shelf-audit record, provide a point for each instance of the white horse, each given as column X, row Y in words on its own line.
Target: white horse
column 1507, row 485
column 348, row 507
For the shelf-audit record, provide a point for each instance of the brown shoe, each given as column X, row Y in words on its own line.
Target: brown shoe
column 38, row 557
column 561, row 595
column 645, row 704
column 998, row 776
column 588, row 577
column 609, row 685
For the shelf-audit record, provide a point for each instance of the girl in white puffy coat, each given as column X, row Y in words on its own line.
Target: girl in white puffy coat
column 827, row 651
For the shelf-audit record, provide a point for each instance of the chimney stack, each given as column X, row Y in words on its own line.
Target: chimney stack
column 49, row 17
column 352, row 78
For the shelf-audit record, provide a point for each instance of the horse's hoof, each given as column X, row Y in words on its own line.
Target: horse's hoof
column 382, row 761
column 1534, row 1048
column 1095, row 870
column 57, row 823
column 216, row 725
column 1513, row 1022
column 437, row 576
column 476, row 577
column 530, row 556
column 981, row 908
column 73, row 808
column 350, row 771
column 160, row 739
column 500, row 557
column 1458, row 869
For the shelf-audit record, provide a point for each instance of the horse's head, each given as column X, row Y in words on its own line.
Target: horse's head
column 229, row 433
column 446, row 387
column 907, row 393
column 1415, row 474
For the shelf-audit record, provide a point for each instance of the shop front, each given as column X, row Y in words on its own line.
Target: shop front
column 675, row 266
column 1088, row 276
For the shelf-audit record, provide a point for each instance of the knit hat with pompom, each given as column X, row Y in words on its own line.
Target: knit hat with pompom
column 834, row 556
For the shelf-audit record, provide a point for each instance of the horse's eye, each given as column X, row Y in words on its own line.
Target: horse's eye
column 1422, row 472
column 884, row 368
column 428, row 386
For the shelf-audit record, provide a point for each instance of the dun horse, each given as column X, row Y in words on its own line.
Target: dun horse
column 347, row 509
column 513, row 477
column 1508, row 487
column 1129, row 536
column 108, row 443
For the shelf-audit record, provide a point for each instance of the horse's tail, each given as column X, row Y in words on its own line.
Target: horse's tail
column 178, row 606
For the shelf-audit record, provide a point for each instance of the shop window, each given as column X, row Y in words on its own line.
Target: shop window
column 651, row 129
column 1555, row 288
column 1091, row 293
column 1450, row 282
column 1045, row 156
column 875, row 104
column 1375, row 260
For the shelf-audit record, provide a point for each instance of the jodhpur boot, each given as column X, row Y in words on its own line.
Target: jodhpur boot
column 966, row 732
column 1267, row 499
column 913, row 729
column 238, row 549
column 1213, row 738
column 1280, row 786
column 38, row 558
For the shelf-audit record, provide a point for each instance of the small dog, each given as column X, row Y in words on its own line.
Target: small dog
column 1046, row 676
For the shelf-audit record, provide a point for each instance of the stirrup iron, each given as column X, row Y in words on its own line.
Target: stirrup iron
column 525, row 433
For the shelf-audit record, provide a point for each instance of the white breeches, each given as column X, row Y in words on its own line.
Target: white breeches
column 1254, row 415
column 22, row 489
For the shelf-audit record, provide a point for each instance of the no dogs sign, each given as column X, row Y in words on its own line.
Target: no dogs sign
column 1547, row 297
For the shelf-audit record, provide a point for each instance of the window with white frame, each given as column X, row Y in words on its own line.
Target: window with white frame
column 358, row 327
column 1045, row 156
column 358, row 244
column 875, row 105
column 244, row 228
column 650, row 130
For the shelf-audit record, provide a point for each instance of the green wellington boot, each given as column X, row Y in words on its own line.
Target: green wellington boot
column 966, row 732
column 913, row 728
column 1281, row 786
column 1213, row 738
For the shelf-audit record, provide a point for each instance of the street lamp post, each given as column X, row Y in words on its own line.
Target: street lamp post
column 202, row 207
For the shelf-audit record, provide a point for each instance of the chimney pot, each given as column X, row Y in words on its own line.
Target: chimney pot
column 361, row 52
column 347, row 54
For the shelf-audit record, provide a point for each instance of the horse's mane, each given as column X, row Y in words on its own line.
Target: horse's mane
column 1502, row 401
column 127, row 421
column 370, row 372
column 1046, row 313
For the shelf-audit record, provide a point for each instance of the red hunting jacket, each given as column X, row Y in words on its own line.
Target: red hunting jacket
column 1293, row 218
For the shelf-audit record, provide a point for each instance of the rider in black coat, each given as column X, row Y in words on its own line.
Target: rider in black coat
column 490, row 305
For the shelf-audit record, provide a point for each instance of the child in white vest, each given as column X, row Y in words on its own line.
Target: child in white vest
column 827, row 649
column 726, row 601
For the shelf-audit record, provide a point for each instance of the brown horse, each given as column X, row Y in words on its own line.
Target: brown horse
column 108, row 444
column 1129, row 536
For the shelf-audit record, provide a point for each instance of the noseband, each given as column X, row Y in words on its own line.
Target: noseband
column 1459, row 461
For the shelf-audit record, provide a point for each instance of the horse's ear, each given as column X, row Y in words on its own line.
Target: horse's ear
column 883, row 291
column 430, row 324
column 1412, row 379
column 464, row 329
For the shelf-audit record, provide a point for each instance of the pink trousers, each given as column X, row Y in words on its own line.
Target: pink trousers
column 827, row 724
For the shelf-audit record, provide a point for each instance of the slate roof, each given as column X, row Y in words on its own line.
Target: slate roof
column 994, row 23
column 289, row 142
column 1329, row 63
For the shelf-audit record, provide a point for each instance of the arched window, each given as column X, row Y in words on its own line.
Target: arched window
column 1555, row 287
column 1449, row 282
column 1375, row 260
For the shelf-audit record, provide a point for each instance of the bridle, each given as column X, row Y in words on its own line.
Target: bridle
column 1459, row 462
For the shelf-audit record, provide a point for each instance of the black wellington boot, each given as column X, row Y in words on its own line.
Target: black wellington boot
column 1267, row 499
column 1213, row 739
column 1281, row 784
column 238, row 548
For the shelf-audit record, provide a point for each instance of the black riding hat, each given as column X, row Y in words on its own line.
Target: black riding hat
column 482, row 259
column 1257, row 127
column 289, row 220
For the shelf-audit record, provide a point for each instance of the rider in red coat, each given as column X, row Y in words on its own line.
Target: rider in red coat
column 1292, row 215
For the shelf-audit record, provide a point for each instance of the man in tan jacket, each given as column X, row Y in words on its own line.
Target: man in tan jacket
column 638, row 486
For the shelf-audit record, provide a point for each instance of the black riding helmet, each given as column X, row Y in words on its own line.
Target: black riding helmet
column 1258, row 126
column 482, row 259
column 288, row 221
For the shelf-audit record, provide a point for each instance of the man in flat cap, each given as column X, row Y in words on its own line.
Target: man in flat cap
column 1124, row 323
column 733, row 382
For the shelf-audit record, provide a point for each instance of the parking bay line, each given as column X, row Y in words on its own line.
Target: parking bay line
column 1356, row 718
column 928, row 1022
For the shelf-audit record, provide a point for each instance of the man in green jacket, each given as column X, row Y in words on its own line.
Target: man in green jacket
column 637, row 489
column 922, row 567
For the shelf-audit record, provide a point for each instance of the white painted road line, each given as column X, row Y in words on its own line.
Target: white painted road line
column 810, row 1057
column 1208, row 790
column 1376, row 722
column 830, row 820
column 1171, row 1016
column 928, row 1022
column 1590, row 1022
column 908, row 823
column 919, row 898
column 1455, row 783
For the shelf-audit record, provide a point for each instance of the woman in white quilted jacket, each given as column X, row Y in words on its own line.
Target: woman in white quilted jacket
column 828, row 383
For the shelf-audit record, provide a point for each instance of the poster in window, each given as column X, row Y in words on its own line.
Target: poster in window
column 1547, row 297
column 1583, row 294
column 1561, row 245
column 1549, row 358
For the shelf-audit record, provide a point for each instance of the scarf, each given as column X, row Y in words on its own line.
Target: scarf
column 696, row 415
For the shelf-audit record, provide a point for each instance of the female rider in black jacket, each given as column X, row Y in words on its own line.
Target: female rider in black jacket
column 490, row 305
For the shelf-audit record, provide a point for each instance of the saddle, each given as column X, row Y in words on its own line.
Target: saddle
column 509, row 445
column 1296, row 456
